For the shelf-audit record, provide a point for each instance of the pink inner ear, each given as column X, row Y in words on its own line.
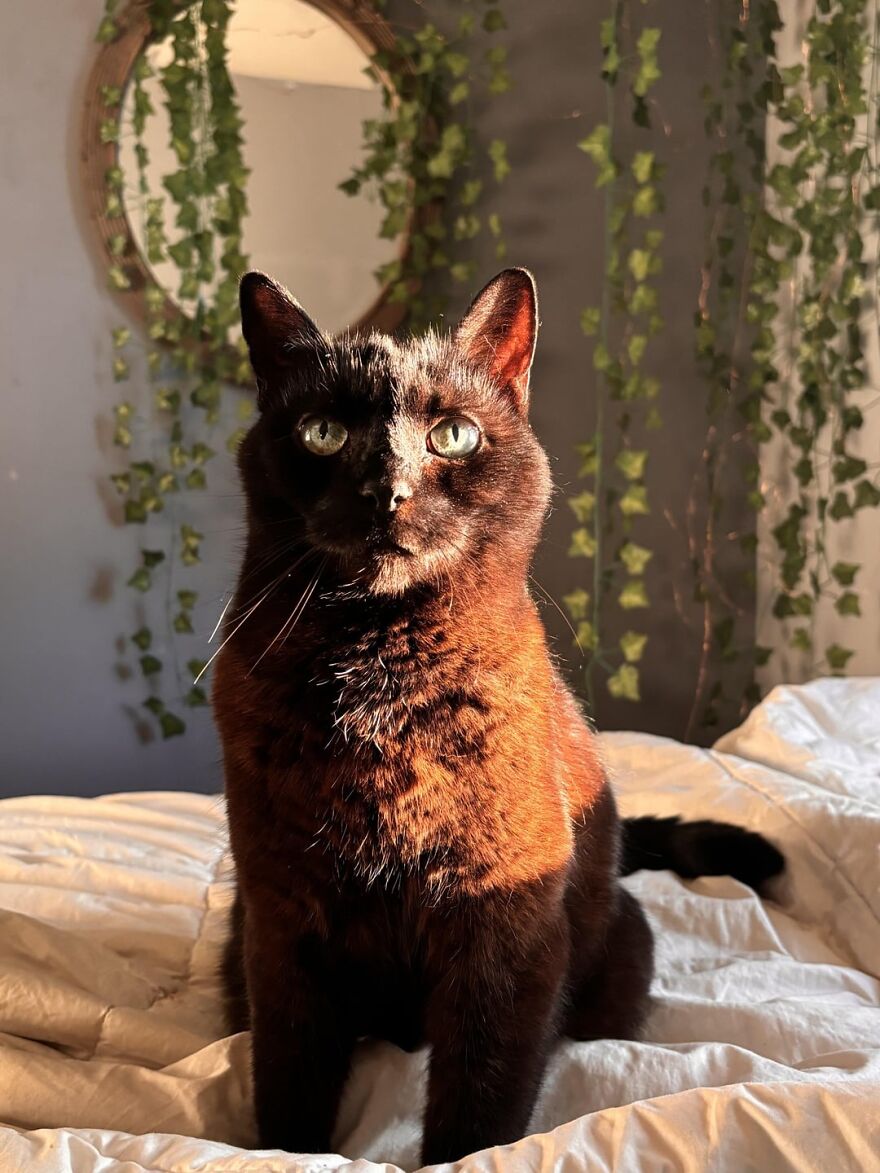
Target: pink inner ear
column 512, row 352
column 498, row 331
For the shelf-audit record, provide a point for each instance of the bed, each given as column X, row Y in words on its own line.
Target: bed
column 762, row 1052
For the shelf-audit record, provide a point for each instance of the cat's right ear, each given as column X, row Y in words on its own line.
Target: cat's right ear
column 276, row 328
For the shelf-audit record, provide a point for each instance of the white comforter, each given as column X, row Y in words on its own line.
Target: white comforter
column 763, row 1051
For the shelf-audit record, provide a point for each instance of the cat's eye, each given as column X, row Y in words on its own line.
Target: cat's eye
column 453, row 437
column 321, row 435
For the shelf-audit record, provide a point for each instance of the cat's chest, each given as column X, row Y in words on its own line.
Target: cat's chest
column 396, row 746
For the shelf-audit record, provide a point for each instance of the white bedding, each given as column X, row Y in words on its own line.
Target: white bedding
column 763, row 1051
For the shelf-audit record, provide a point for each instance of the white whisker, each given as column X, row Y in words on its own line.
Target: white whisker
column 220, row 620
column 240, row 623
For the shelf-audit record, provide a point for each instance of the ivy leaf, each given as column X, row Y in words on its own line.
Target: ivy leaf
column 597, row 145
column 762, row 655
column 576, row 603
column 498, row 155
column 848, row 604
column 801, row 640
column 182, row 623
column 117, row 278
column 635, row 348
column 635, row 558
column 867, row 494
column 150, row 665
column 645, row 202
column 142, row 638
column 140, row 580
column 845, row 572
column 634, row 500
column 171, row 725
column 840, row 506
column 639, row 263
column 196, row 697
column 582, row 506
column 837, row 657
column 135, row 513
column 788, row 605
column 632, row 464
column 583, row 544
column 152, row 557
column 643, row 165
column 493, row 22
column 196, row 667
column 848, row 468
column 590, row 319
column 187, row 599
column 589, row 459
column 155, row 705
column 632, row 644
column 624, row 684
column 633, row 595
column 586, row 635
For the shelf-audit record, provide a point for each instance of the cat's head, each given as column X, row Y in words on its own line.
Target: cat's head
column 405, row 462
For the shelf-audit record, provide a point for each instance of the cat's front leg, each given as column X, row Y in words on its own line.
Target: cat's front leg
column 301, row 1041
column 492, row 1022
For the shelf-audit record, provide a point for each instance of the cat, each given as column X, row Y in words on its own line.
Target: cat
column 426, row 845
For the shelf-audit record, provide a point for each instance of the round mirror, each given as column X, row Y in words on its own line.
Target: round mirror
column 300, row 75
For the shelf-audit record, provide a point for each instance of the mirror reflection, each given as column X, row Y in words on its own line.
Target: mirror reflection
column 301, row 83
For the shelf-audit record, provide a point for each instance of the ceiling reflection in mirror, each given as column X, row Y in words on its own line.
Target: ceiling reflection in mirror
column 303, row 91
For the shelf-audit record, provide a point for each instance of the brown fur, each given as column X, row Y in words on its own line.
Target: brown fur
column 426, row 845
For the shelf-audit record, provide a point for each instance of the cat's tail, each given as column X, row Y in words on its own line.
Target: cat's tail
column 703, row 848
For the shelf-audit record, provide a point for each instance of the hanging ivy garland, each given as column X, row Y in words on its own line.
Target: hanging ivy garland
column 778, row 338
column 719, row 544
column 612, row 465
column 421, row 155
column 170, row 438
column 808, row 287
column 419, row 158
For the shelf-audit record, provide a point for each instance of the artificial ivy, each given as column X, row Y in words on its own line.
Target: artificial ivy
column 420, row 157
column 779, row 339
column 808, row 286
column 613, row 466
column 169, row 441
column 721, row 549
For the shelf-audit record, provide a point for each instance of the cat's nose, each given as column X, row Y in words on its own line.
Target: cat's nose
column 387, row 495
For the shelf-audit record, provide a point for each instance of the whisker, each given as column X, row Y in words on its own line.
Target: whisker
column 238, row 625
column 220, row 620
column 568, row 622
column 291, row 620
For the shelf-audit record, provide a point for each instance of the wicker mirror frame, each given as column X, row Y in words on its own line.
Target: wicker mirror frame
column 113, row 67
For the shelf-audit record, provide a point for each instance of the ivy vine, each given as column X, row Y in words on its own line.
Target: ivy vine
column 168, row 442
column 808, row 287
column 613, row 466
column 727, row 319
column 420, row 157
column 779, row 339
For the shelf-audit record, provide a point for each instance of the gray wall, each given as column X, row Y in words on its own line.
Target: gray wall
column 63, row 726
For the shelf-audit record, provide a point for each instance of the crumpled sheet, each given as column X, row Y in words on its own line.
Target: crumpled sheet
column 762, row 1052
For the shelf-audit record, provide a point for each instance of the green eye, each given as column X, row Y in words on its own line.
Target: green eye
column 453, row 437
column 322, row 436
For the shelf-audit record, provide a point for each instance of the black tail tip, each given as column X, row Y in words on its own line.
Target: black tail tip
column 702, row 848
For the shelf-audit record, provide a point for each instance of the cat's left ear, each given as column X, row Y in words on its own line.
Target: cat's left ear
column 499, row 330
column 276, row 328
